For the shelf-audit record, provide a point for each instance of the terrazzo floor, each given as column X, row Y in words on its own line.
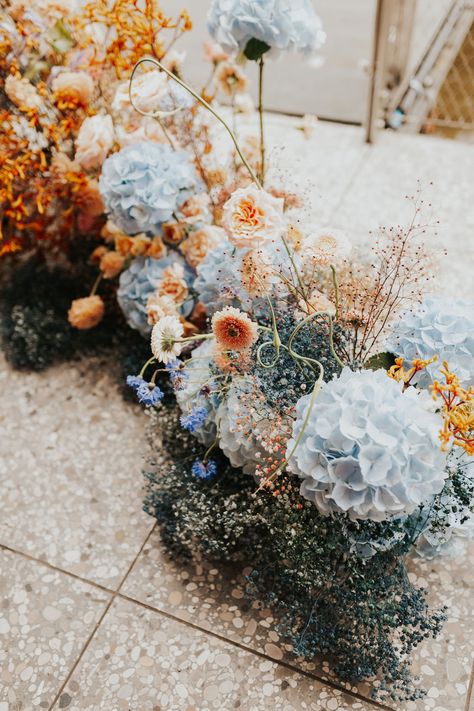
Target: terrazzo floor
column 93, row 613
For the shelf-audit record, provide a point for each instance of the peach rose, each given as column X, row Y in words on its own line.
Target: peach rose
column 75, row 86
column 94, row 141
column 252, row 217
column 86, row 313
column 173, row 284
column 111, row 264
column 198, row 244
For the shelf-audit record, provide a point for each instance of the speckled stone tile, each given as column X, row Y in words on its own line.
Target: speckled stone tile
column 45, row 620
column 70, row 470
column 142, row 661
column 214, row 599
column 390, row 171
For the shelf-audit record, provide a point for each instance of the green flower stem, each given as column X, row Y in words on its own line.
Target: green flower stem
column 198, row 98
column 149, row 362
column 261, row 65
column 96, row 284
column 336, row 290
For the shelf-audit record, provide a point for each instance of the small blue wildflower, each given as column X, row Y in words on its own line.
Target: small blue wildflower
column 178, row 375
column 195, row 419
column 149, row 394
column 204, row 470
column 134, row 381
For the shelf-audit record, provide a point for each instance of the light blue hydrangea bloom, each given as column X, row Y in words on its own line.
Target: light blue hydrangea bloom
column 139, row 282
column 144, row 184
column 368, row 450
column 218, row 281
column 440, row 327
column 283, row 25
column 197, row 390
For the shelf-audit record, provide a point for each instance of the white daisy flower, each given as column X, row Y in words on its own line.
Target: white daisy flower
column 165, row 339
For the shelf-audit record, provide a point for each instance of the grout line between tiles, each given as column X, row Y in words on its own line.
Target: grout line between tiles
column 117, row 594
column 469, row 690
column 255, row 652
column 99, row 622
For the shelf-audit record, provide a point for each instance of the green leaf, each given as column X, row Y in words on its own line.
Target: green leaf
column 60, row 38
column 380, row 361
column 255, row 49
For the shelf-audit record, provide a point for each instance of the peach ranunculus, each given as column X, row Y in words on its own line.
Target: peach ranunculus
column 252, row 217
column 111, row 264
column 157, row 248
column 159, row 306
column 173, row 232
column 86, row 313
column 198, row 244
column 195, row 209
column 257, row 272
column 94, row 141
column 77, row 87
column 173, row 284
column 140, row 245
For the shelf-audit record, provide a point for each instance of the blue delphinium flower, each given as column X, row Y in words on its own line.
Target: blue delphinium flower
column 148, row 394
column 144, row 184
column 277, row 25
column 204, row 470
column 442, row 328
column 195, row 420
column 367, row 449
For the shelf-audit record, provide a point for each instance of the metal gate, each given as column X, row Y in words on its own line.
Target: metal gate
column 436, row 93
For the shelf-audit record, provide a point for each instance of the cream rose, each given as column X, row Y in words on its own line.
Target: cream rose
column 95, row 139
column 198, row 244
column 252, row 217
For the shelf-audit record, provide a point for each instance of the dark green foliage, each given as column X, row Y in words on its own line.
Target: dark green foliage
column 34, row 329
column 362, row 614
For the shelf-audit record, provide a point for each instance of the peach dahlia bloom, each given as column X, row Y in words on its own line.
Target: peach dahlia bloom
column 234, row 330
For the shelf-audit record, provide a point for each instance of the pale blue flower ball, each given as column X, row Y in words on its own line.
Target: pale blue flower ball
column 283, row 25
column 440, row 327
column 139, row 282
column 144, row 184
column 218, row 282
column 368, row 449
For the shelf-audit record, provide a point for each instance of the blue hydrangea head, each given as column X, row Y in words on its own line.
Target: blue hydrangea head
column 140, row 281
column 440, row 327
column 218, row 282
column 144, row 184
column 283, row 25
column 368, row 449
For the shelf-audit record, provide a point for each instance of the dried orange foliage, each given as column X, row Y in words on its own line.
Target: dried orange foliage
column 131, row 29
column 457, row 410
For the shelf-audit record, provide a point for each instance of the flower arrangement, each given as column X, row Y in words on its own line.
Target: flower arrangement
column 326, row 419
